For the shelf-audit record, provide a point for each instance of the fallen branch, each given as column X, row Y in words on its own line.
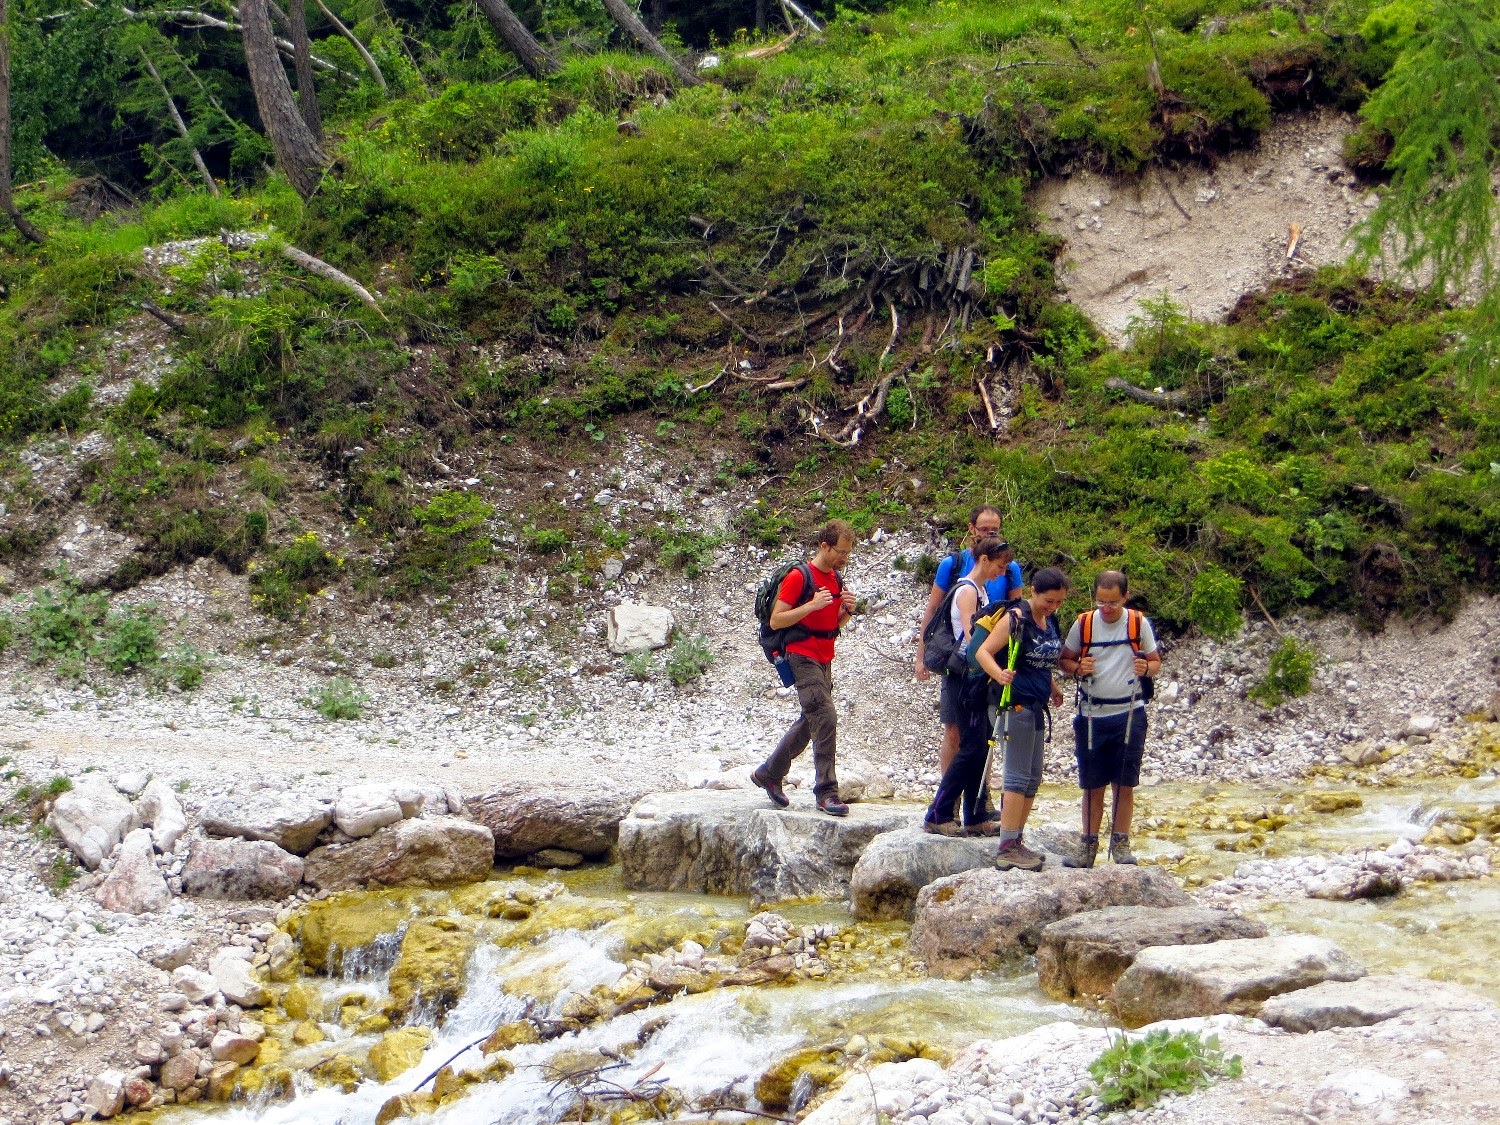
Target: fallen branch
column 1260, row 605
column 704, row 386
column 989, row 406
column 178, row 123
column 1150, row 398
column 751, row 336
column 175, row 323
column 1293, row 239
column 796, row 8
column 329, row 273
column 773, row 49
column 891, row 343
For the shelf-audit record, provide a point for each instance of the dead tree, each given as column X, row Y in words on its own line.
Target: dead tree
column 624, row 15
column 298, row 153
column 307, row 92
column 178, row 123
column 364, row 52
column 533, row 57
column 7, row 196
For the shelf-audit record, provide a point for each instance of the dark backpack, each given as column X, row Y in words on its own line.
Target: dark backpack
column 773, row 642
column 1133, row 619
column 940, row 652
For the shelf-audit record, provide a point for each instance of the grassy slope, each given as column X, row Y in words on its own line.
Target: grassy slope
column 1324, row 455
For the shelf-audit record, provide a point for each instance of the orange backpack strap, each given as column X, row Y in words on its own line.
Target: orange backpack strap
column 1085, row 632
column 1133, row 630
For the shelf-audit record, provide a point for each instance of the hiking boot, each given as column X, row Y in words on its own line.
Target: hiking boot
column 833, row 806
column 1088, row 851
column 1012, row 854
column 1022, row 851
column 990, row 826
column 773, row 789
column 944, row 828
column 1119, row 849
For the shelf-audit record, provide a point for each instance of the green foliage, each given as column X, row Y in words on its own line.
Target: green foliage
column 61, row 625
column 1134, row 1073
column 1214, row 605
column 1439, row 103
column 685, row 549
column 546, row 540
column 131, row 639
column 1289, row 673
column 450, row 540
column 280, row 586
column 57, row 786
column 640, row 665
column 62, row 872
column 339, row 698
column 184, row 667
column 688, row 659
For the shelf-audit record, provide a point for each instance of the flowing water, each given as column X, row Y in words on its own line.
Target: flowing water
column 711, row 1047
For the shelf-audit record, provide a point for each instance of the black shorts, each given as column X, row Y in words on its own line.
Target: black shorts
column 950, row 704
column 1111, row 761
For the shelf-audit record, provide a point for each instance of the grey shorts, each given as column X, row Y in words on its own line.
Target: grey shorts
column 950, row 706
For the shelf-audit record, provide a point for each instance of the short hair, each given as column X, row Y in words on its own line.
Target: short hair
column 980, row 509
column 1113, row 579
column 991, row 547
column 1048, row 579
column 833, row 531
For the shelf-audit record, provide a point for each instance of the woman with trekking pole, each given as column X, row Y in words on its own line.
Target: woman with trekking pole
column 1029, row 636
column 965, row 776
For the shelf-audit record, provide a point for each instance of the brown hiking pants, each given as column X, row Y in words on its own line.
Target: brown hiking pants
column 817, row 724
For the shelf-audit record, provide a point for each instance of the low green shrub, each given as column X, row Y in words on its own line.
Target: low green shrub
column 450, row 540
column 688, row 659
column 1215, row 603
column 1134, row 1073
column 280, row 587
column 1289, row 673
column 338, row 699
column 640, row 665
column 131, row 639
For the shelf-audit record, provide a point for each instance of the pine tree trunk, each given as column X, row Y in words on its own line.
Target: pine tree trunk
column 622, row 13
column 178, row 123
column 532, row 56
column 307, row 91
column 297, row 152
column 7, row 198
column 760, row 16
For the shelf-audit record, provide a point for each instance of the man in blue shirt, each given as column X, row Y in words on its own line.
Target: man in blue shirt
column 984, row 521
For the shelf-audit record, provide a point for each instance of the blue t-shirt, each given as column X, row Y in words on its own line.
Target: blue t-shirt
column 1002, row 588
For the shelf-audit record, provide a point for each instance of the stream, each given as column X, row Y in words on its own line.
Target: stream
column 544, row 943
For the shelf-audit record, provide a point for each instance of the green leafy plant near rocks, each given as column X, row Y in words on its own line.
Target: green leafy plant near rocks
column 1135, row 1072
column 67, row 628
column 1289, row 673
column 688, row 659
column 339, row 698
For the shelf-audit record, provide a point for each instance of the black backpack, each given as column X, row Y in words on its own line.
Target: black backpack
column 773, row 642
column 940, row 652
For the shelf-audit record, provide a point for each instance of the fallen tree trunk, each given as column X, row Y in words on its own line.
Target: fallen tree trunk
column 1171, row 399
column 320, row 268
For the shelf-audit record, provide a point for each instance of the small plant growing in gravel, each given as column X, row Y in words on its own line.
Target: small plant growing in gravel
column 61, row 873
column 339, row 698
column 60, row 623
column 690, row 658
column 639, row 666
column 131, row 639
column 184, row 667
column 1289, row 673
column 58, row 786
column 546, row 540
column 1134, row 1073
column 383, row 660
column 7, row 631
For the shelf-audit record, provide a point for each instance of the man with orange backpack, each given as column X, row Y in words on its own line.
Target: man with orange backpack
column 1112, row 650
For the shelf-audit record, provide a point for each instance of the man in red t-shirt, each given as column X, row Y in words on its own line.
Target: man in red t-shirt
column 815, row 623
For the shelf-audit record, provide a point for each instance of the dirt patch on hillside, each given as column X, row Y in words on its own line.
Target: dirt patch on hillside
column 1206, row 236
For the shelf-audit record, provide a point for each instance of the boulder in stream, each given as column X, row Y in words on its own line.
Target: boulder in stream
column 981, row 919
column 525, row 821
column 429, row 852
column 1368, row 1000
column 897, row 865
column 1085, row 954
column 240, row 869
column 736, row 843
column 290, row 820
column 1175, row 982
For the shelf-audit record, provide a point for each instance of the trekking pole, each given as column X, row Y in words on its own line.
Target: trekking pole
column 1011, row 654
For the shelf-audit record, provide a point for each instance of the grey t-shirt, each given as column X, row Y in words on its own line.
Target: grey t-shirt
column 1114, row 664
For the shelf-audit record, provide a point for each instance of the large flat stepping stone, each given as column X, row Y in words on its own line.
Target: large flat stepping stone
column 984, row 918
column 1176, row 982
column 1368, row 1000
column 1084, row 955
column 736, row 843
column 897, row 865
column 524, row 821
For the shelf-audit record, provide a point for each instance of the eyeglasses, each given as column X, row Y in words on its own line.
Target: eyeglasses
column 1109, row 605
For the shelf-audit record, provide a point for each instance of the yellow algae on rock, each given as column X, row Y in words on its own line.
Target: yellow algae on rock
column 558, row 915
column 270, row 1052
column 306, row 1033
column 821, row 1066
column 263, row 1082
column 302, row 1002
column 398, row 1051
column 342, row 1071
column 1333, row 800
column 509, row 1035
column 430, row 967
column 373, row 1025
column 344, row 922
column 406, row 1105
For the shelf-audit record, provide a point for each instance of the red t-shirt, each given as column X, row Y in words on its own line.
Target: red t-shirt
column 814, row 648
